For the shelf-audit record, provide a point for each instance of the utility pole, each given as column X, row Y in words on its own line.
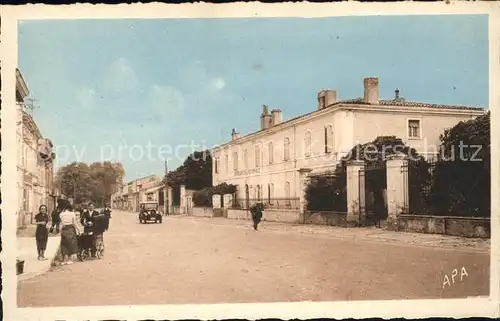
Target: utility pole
column 165, row 191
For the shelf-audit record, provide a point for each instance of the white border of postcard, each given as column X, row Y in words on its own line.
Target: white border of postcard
column 482, row 306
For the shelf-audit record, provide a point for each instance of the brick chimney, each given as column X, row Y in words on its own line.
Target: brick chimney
column 265, row 118
column 371, row 90
column 276, row 117
column 234, row 134
column 326, row 98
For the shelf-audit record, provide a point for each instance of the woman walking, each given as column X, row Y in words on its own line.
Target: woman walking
column 256, row 211
column 56, row 220
column 69, row 232
column 41, row 234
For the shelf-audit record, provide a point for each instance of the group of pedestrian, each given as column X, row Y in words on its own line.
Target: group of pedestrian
column 64, row 220
column 94, row 225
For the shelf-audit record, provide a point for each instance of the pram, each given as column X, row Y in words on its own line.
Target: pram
column 92, row 238
column 85, row 245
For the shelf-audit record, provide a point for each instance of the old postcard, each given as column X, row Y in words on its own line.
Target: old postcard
column 246, row 160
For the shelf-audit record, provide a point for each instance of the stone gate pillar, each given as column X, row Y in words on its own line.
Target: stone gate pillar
column 355, row 192
column 165, row 200
column 183, row 200
column 216, row 202
column 303, row 181
column 397, row 192
column 228, row 200
column 170, row 200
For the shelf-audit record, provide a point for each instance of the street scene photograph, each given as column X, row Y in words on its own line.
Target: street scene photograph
column 252, row 160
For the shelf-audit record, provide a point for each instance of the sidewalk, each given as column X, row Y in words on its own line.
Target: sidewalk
column 26, row 250
column 365, row 234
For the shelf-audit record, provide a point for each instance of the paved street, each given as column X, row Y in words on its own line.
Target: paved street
column 216, row 260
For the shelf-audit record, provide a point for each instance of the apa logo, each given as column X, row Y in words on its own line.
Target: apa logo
column 454, row 273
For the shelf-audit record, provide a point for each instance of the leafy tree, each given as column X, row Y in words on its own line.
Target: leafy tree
column 95, row 182
column 462, row 175
column 468, row 140
column 195, row 173
column 108, row 177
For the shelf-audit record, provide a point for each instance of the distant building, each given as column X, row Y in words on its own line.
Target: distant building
column 131, row 194
column 264, row 164
column 35, row 161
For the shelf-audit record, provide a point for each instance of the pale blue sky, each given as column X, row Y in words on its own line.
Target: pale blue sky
column 177, row 81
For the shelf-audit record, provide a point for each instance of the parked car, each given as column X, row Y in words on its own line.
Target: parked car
column 148, row 211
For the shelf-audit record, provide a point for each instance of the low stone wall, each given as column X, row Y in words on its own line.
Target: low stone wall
column 220, row 212
column 446, row 225
column 282, row 215
column 202, row 211
column 237, row 214
column 326, row 218
column 271, row 215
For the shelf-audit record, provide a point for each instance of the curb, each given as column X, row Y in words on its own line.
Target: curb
column 27, row 276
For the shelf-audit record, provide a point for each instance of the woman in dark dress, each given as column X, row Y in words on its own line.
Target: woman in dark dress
column 256, row 211
column 41, row 235
column 69, row 232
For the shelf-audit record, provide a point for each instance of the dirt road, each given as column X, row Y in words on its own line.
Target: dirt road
column 216, row 260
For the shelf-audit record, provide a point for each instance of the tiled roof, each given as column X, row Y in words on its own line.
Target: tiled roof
column 404, row 103
column 400, row 102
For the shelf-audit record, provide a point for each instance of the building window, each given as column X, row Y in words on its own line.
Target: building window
column 245, row 158
column 307, row 144
column 270, row 148
column 328, row 139
column 226, row 165
column 259, row 193
column 217, row 165
column 257, row 156
column 414, row 128
column 286, row 149
column 235, row 161
column 270, row 193
column 287, row 193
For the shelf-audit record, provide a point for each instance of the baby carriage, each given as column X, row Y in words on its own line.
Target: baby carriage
column 85, row 245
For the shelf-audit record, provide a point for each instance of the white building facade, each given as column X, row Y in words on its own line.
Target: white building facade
column 35, row 166
column 131, row 194
column 264, row 165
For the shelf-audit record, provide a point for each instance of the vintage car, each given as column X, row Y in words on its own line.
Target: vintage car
column 148, row 211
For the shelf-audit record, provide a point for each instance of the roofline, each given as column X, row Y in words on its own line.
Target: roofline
column 353, row 104
column 31, row 124
column 140, row 178
column 21, row 84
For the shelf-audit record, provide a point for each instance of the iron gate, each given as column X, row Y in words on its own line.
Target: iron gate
column 373, row 192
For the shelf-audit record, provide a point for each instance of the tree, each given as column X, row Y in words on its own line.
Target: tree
column 462, row 175
column 95, row 182
column 467, row 140
column 108, row 177
column 195, row 173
